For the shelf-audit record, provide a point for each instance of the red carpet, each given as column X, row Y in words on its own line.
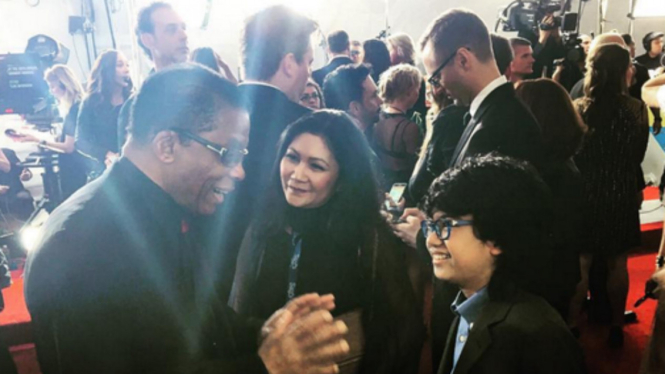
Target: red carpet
column 603, row 360
column 15, row 309
column 600, row 359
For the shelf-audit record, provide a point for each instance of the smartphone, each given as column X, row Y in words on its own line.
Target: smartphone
column 395, row 195
column 397, row 192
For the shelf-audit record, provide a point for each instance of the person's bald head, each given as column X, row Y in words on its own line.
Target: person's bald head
column 603, row 39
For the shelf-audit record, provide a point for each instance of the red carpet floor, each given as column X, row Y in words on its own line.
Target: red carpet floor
column 600, row 359
column 603, row 360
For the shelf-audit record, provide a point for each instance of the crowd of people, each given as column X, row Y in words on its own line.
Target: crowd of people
column 216, row 223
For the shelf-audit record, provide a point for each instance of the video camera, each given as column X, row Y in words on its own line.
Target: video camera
column 526, row 15
column 574, row 51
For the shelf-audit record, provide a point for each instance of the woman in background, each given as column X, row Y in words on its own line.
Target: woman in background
column 207, row 57
column 563, row 133
column 396, row 139
column 376, row 55
column 109, row 86
column 321, row 230
column 68, row 91
column 313, row 96
column 610, row 165
column 402, row 51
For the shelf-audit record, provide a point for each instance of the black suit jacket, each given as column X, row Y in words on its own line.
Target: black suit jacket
column 117, row 286
column 270, row 112
column 319, row 75
column 502, row 124
column 520, row 333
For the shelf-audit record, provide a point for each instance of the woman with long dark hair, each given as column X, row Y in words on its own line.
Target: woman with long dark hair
column 610, row 165
column 320, row 230
column 68, row 91
column 109, row 86
column 563, row 132
column 376, row 55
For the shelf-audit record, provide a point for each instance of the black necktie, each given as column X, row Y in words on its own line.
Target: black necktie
column 468, row 129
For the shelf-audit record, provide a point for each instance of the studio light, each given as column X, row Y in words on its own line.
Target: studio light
column 31, row 232
column 649, row 8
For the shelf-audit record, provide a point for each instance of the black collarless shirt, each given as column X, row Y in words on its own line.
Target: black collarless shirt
column 116, row 285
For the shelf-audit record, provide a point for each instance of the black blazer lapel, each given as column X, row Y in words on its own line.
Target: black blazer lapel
column 448, row 354
column 468, row 130
column 502, row 92
column 480, row 337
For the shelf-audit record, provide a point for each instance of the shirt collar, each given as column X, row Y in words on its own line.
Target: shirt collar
column 475, row 104
column 470, row 308
column 259, row 83
column 146, row 192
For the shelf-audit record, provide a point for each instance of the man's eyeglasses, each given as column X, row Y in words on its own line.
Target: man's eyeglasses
column 228, row 157
column 442, row 227
column 435, row 80
column 307, row 97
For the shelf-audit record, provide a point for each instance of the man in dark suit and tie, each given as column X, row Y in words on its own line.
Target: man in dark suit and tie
column 339, row 51
column 457, row 54
column 489, row 243
column 276, row 55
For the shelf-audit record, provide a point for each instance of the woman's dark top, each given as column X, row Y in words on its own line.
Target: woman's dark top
column 72, row 165
column 570, row 223
column 379, row 285
column 396, row 140
column 97, row 132
column 447, row 128
column 610, row 165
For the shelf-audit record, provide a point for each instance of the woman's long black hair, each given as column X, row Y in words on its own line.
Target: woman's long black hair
column 355, row 205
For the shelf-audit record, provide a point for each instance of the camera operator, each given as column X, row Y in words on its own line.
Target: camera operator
column 548, row 46
column 68, row 91
column 571, row 68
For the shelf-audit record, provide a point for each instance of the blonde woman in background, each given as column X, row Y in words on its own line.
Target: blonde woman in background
column 68, row 91
column 396, row 138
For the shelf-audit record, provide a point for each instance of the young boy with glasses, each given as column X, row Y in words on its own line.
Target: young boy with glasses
column 487, row 224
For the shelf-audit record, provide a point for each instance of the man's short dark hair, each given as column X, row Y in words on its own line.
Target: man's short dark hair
column 338, row 41
column 345, row 85
column 144, row 24
column 503, row 52
column 510, row 206
column 455, row 29
column 186, row 96
column 627, row 38
column 271, row 34
column 518, row 41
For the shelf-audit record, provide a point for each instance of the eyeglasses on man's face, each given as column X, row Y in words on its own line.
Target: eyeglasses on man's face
column 442, row 226
column 435, row 80
column 228, row 157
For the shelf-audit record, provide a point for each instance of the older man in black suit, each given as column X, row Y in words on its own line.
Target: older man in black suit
column 276, row 56
column 339, row 51
column 117, row 283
